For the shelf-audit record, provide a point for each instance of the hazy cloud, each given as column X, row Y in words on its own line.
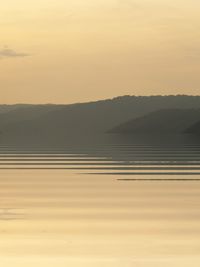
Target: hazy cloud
column 10, row 53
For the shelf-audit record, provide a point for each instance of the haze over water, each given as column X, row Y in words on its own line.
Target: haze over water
column 119, row 203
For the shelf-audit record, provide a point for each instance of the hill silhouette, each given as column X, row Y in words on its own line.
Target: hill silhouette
column 162, row 121
column 7, row 108
column 19, row 113
column 86, row 118
column 194, row 129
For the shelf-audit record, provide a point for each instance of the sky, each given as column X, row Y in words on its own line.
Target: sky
column 66, row 51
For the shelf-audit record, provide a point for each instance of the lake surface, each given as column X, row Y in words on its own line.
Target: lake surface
column 112, row 202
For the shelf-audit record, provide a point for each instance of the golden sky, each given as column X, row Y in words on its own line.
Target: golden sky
column 65, row 51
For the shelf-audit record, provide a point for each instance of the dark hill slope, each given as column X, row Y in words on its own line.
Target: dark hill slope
column 7, row 108
column 21, row 113
column 162, row 121
column 194, row 129
column 90, row 118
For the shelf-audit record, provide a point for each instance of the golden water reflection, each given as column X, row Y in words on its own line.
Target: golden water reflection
column 54, row 217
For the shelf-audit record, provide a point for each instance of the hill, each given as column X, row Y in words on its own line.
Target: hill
column 162, row 121
column 19, row 113
column 86, row 118
column 7, row 108
column 194, row 129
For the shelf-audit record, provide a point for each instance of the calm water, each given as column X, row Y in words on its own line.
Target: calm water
column 106, row 203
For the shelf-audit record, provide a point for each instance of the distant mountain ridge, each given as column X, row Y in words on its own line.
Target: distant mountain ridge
column 83, row 119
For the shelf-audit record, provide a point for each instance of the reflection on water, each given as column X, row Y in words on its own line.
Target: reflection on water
column 107, row 203
column 107, row 157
